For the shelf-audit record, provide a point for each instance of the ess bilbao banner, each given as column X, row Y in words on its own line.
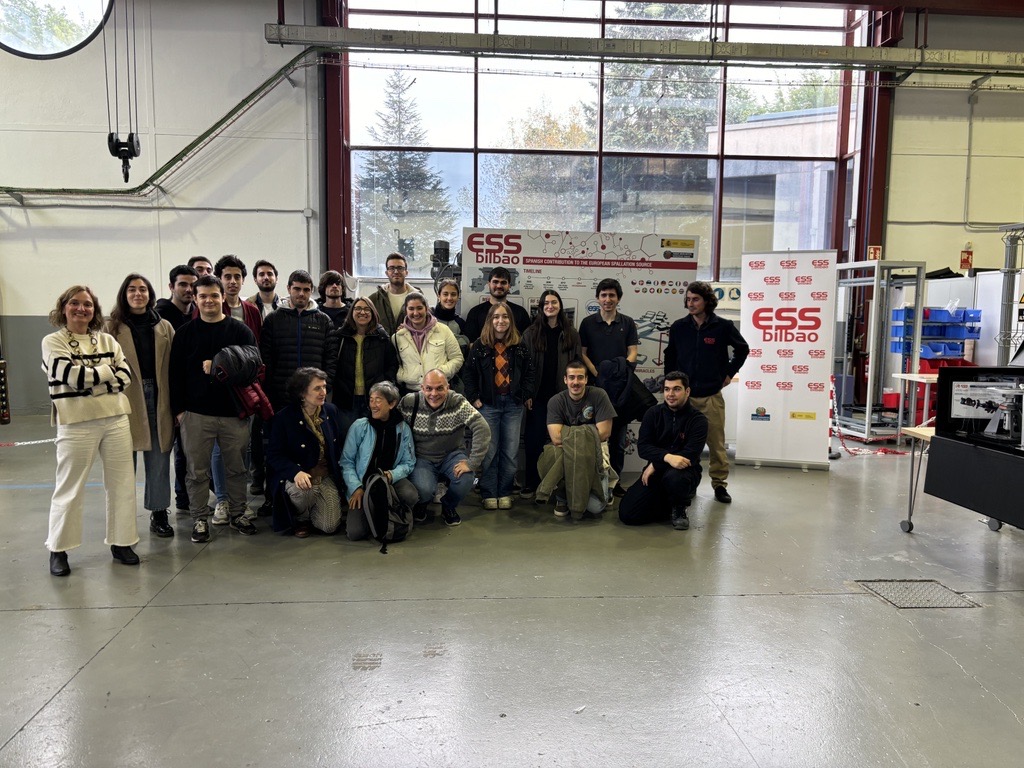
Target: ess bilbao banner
column 787, row 317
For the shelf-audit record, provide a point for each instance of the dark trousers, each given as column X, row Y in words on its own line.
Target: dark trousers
column 257, row 462
column 536, row 436
column 650, row 503
column 617, row 444
column 180, row 469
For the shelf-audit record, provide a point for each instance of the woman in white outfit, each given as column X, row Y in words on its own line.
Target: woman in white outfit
column 87, row 376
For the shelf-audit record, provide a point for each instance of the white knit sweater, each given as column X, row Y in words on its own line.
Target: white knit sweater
column 86, row 381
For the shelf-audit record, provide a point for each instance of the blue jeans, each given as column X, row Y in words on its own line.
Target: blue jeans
column 504, row 417
column 426, row 474
column 156, row 463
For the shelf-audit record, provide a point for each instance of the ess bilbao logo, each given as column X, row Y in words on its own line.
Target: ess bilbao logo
column 802, row 370
column 804, row 280
column 788, row 263
column 816, row 386
column 755, row 295
column 788, row 324
column 820, row 263
column 753, row 384
column 787, row 295
column 495, row 247
column 819, row 295
column 756, row 352
column 784, row 386
column 816, row 354
column 773, row 280
column 758, row 265
column 767, row 368
column 786, row 353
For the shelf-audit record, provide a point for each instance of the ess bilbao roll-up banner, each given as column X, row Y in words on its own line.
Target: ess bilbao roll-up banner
column 788, row 317
column 654, row 270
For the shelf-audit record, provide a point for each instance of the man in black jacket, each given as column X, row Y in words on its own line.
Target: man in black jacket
column 698, row 345
column 672, row 437
column 294, row 337
column 205, row 410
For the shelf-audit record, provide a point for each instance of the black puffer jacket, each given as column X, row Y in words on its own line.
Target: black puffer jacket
column 292, row 340
column 380, row 363
column 478, row 374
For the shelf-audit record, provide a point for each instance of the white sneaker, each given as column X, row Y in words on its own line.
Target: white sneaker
column 220, row 514
column 490, row 503
column 505, row 502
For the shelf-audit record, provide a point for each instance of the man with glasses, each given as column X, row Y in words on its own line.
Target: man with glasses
column 389, row 299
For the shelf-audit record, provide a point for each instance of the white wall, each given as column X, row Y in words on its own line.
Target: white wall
column 930, row 153
column 245, row 193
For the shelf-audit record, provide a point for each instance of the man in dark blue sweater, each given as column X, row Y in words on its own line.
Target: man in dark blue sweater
column 710, row 350
column 672, row 437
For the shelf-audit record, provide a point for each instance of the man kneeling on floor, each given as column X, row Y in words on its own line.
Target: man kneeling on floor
column 672, row 437
column 575, row 465
column 439, row 419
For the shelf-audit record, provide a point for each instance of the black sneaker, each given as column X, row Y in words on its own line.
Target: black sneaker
column 527, row 493
column 125, row 555
column 679, row 519
column 420, row 513
column 618, row 491
column 256, row 488
column 722, row 495
column 451, row 516
column 243, row 525
column 200, row 531
column 158, row 524
column 266, row 509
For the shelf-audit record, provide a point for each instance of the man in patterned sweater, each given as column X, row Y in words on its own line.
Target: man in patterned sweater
column 439, row 419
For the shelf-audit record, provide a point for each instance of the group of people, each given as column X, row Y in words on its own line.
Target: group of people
column 382, row 384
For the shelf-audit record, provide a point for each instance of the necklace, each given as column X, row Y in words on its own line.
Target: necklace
column 90, row 359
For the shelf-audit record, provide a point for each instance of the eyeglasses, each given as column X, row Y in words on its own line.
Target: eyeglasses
column 396, row 269
column 361, row 311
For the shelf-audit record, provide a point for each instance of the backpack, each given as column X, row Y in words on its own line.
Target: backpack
column 389, row 519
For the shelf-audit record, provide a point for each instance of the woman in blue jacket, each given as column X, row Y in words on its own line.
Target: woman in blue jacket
column 381, row 443
column 499, row 382
column 303, row 455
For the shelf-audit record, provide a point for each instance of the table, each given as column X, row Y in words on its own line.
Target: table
column 920, row 437
column 915, row 378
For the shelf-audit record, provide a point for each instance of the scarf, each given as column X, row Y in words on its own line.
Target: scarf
column 418, row 337
column 385, row 446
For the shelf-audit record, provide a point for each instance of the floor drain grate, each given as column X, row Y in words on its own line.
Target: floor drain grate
column 917, row 593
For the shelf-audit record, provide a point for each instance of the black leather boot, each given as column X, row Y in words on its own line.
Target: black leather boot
column 124, row 555
column 158, row 524
column 59, row 564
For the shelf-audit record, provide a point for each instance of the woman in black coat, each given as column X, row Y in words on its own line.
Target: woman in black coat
column 303, row 457
column 366, row 356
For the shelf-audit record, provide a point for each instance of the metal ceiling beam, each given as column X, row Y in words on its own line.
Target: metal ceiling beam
column 947, row 61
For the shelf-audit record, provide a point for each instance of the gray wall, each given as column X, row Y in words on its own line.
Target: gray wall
column 27, row 383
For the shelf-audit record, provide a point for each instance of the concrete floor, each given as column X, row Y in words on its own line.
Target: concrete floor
column 518, row 639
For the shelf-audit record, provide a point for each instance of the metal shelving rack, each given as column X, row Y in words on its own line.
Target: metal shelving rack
column 867, row 421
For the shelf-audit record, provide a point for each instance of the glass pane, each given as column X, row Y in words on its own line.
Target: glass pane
column 403, row 201
column 660, row 108
column 764, row 13
column 659, row 11
column 414, row 22
column 541, row 28
column 793, row 36
column 559, row 9
column 538, row 191
column 553, row 109
column 664, row 195
column 413, row 6
column 49, row 28
column 781, row 112
column 416, row 105
column 659, row 33
column 774, row 205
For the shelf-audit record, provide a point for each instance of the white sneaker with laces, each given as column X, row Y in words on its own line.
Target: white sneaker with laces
column 220, row 514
